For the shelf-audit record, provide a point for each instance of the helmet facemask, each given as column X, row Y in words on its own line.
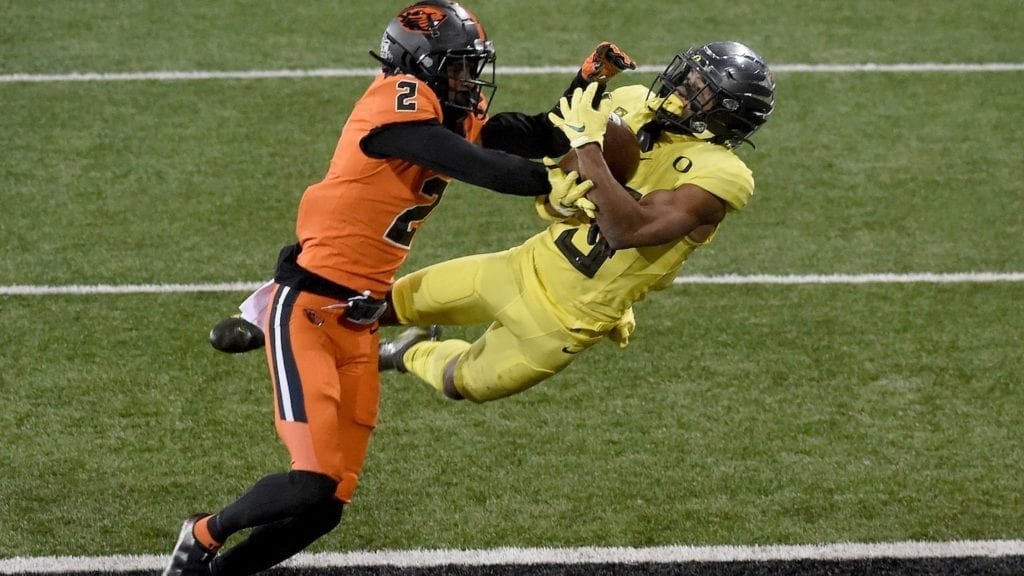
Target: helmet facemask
column 464, row 79
column 690, row 98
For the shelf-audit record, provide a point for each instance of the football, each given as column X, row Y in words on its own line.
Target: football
column 621, row 151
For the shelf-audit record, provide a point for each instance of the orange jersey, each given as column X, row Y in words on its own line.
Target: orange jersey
column 356, row 226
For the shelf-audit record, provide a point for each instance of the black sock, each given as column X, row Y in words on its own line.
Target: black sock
column 274, row 498
column 271, row 544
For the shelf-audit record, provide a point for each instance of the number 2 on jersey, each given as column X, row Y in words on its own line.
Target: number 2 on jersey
column 404, row 226
column 589, row 263
column 405, row 101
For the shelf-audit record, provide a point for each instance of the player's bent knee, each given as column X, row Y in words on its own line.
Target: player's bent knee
column 312, row 489
column 500, row 382
column 347, row 487
column 326, row 517
column 450, row 389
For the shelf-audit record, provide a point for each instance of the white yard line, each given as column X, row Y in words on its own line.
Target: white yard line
column 87, row 289
column 914, row 278
column 171, row 75
column 526, row 556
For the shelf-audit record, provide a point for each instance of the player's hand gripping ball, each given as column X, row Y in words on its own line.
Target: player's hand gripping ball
column 621, row 152
column 567, row 188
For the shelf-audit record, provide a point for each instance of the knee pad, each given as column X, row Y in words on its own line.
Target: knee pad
column 312, row 490
column 325, row 517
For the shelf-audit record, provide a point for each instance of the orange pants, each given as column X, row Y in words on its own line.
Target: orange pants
column 326, row 385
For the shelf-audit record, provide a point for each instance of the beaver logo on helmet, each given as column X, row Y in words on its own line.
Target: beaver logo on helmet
column 442, row 44
column 420, row 18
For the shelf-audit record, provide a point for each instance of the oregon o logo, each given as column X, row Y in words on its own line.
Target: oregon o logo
column 682, row 164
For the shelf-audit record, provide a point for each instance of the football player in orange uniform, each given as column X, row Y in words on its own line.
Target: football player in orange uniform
column 421, row 122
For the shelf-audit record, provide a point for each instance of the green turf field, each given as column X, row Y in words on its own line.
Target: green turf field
column 740, row 414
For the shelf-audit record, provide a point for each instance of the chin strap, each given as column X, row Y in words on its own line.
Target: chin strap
column 647, row 135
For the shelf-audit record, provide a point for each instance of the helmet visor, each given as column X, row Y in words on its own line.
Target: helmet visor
column 692, row 99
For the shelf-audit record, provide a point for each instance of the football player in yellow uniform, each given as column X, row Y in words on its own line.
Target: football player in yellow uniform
column 566, row 288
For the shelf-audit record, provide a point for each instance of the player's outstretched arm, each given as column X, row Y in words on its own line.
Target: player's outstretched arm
column 660, row 216
column 432, row 145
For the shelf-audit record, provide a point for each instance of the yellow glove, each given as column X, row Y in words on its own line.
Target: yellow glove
column 566, row 189
column 605, row 61
column 623, row 329
column 586, row 206
column 580, row 121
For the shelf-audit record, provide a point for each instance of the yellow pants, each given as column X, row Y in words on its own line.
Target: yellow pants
column 525, row 343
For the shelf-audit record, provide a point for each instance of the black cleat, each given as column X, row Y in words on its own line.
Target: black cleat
column 189, row 558
column 235, row 335
column 391, row 351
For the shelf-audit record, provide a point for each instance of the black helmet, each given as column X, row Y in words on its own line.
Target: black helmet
column 438, row 40
column 742, row 86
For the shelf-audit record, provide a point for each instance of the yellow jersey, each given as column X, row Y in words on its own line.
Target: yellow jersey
column 587, row 284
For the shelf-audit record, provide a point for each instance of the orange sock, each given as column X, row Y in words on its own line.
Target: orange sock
column 201, row 531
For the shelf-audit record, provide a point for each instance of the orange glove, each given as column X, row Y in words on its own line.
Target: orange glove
column 605, row 61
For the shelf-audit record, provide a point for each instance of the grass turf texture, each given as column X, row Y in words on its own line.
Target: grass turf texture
column 820, row 414
column 739, row 415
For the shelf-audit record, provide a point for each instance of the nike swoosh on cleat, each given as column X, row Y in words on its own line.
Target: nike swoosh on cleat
column 568, row 350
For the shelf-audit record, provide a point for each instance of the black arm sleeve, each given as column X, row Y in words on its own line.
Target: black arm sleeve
column 530, row 136
column 524, row 135
column 433, row 146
